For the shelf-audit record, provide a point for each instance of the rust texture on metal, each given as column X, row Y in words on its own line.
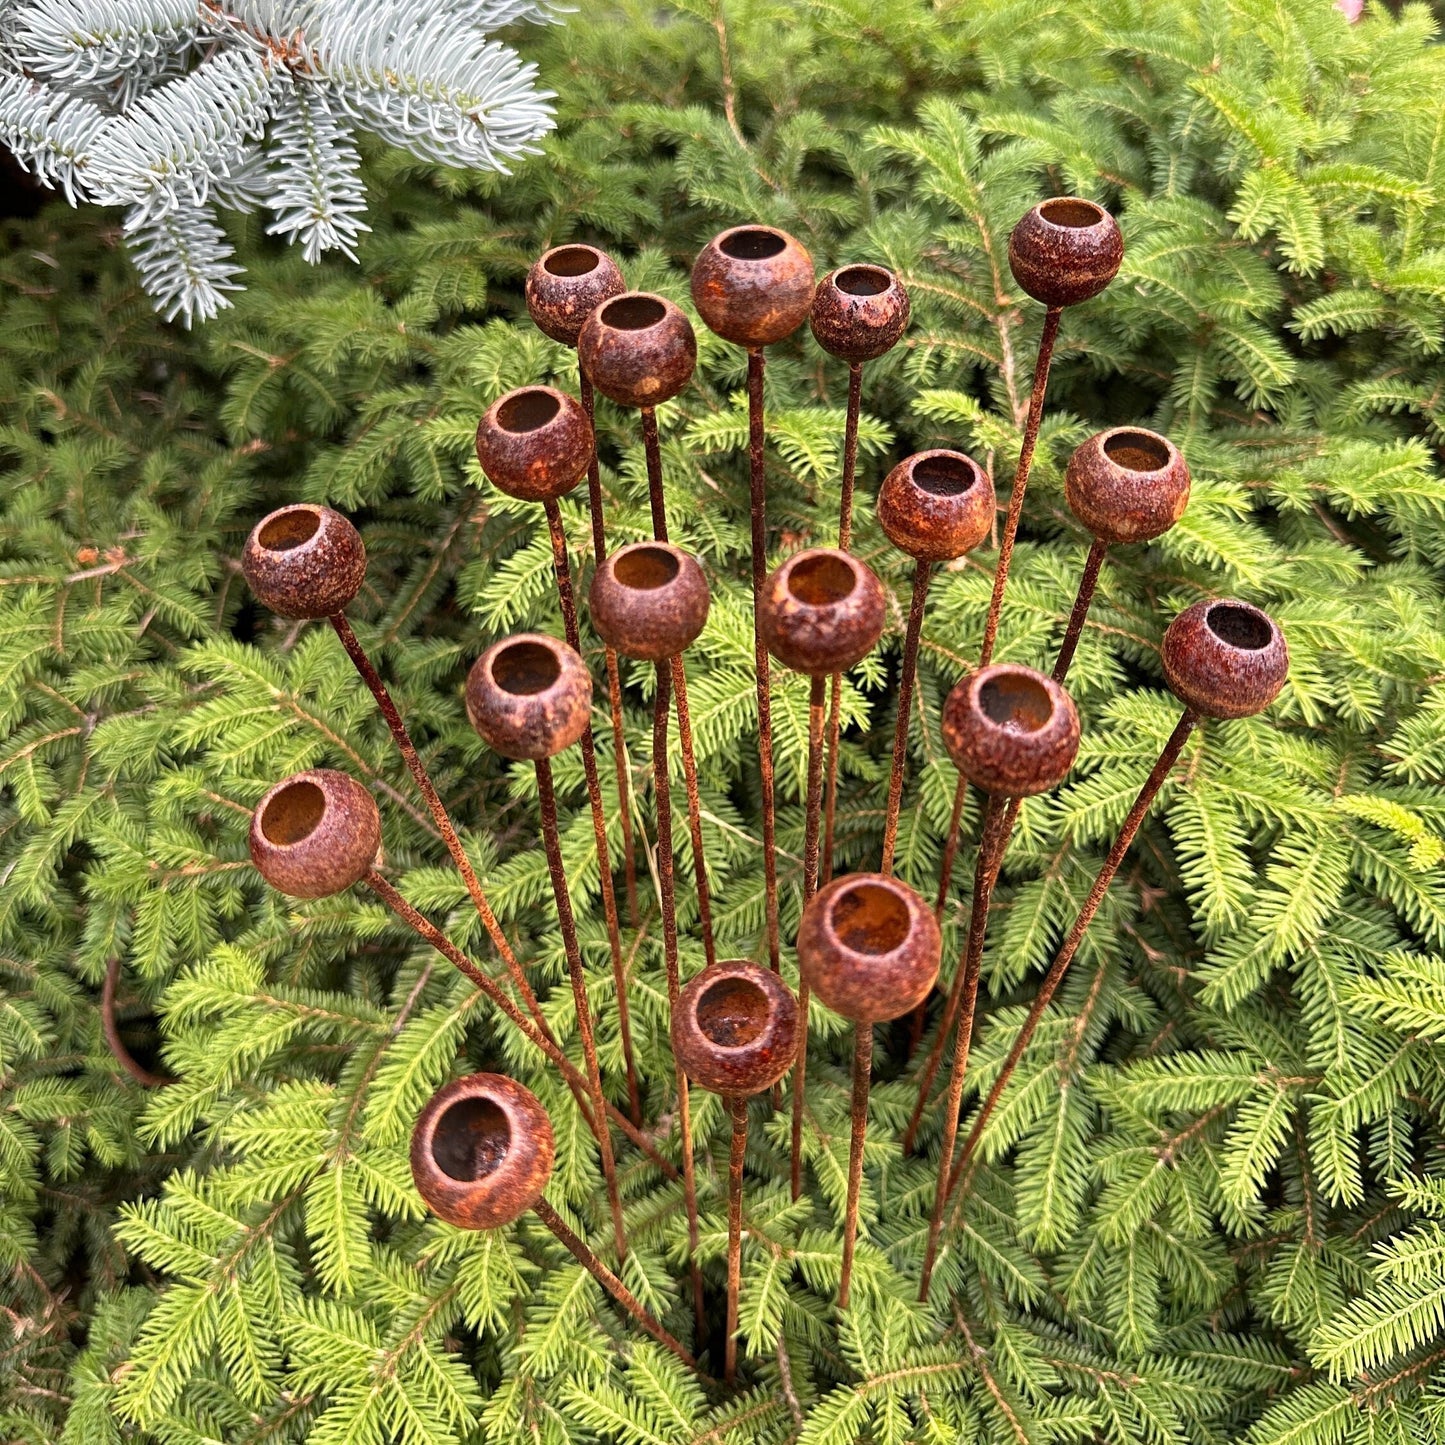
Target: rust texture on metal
column 694, row 808
column 315, row 833
column 850, row 456
column 814, row 799
column 649, row 600
column 857, row 1138
column 1225, row 659
column 936, row 505
column 304, row 561
column 482, row 1151
column 535, row 443
column 1083, row 599
column 753, row 285
column 859, row 312
column 822, row 611
column 1010, row 730
column 1065, row 250
column 1127, row 484
column 110, row 1027
column 529, row 696
column 735, row 1028
column 652, row 453
column 737, row 1156
column 638, row 349
column 566, row 285
column 912, row 636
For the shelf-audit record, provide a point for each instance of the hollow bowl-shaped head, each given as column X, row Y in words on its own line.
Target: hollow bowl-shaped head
column 822, row 611
column 566, row 285
column 1225, row 659
column 1065, row 250
column 315, row 833
column 869, row 947
column 735, row 1028
column 535, row 443
column 1010, row 730
column 304, row 561
column 481, row 1151
column 753, row 285
column 1127, row 484
column 637, row 349
column 649, row 600
column 529, row 696
column 859, row 312
column 936, row 505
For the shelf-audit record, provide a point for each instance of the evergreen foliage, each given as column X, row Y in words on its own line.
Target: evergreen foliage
column 1211, row 1206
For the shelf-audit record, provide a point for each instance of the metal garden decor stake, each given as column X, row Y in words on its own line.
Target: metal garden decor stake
column 564, row 287
column 481, row 1156
column 306, row 561
column 1222, row 659
column 650, row 602
column 1062, row 252
column 536, row 444
column 1013, row 733
column 870, row 947
column 858, row 314
column 821, row 613
column 753, row 286
column 529, row 697
column 735, row 1031
column 317, row 833
column 935, row 506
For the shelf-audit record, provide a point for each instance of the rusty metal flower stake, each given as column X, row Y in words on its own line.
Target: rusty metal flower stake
column 821, row 613
column 858, row 314
column 753, row 286
column 735, row 1031
column 1222, row 659
column 564, row 287
column 870, row 947
column 481, row 1157
column 529, row 697
column 536, row 444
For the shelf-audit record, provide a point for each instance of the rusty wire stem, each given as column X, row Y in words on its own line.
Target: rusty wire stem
column 662, row 789
column 568, row 603
column 551, row 841
column 862, row 1077
column 922, row 572
column 652, row 450
column 1088, row 582
column 736, row 1155
column 694, row 808
column 111, row 1029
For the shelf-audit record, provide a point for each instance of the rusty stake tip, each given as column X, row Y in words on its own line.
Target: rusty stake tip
column 649, row 600
column 1127, row 484
column 637, row 349
column 735, row 1029
column 315, row 833
column 566, row 285
column 529, row 696
column 1225, row 659
column 859, row 312
column 1065, row 250
column 753, row 285
column 1011, row 731
column 822, row 611
column 535, row 443
column 304, row 561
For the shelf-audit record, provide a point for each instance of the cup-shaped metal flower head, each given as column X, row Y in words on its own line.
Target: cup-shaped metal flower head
column 1011, row 730
column 535, row 443
column 753, row 285
column 859, row 312
column 529, row 696
column 1127, row 484
column 735, row 1028
column 649, row 600
column 936, row 505
column 638, row 349
column 869, row 947
column 315, row 833
column 822, row 611
column 304, row 561
column 481, row 1152
column 566, row 285
column 1225, row 659
column 1065, row 251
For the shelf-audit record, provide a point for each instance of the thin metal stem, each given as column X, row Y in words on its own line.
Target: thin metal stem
column 757, row 483
column 739, row 1110
column 432, row 798
column 614, row 674
column 544, row 1043
column 567, row 600
column 111, row 1030
column 921, row 575
column 1070, row 946
column 662, row 790
column 610, row 1282
column 551, row 841
column 1087, row 583
column 862, row 1077
column 816, row 688
column 998, row 824
column 694, row 808
column 652, row 450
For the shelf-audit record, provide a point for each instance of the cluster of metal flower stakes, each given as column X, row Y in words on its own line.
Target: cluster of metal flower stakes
column 868, row 945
